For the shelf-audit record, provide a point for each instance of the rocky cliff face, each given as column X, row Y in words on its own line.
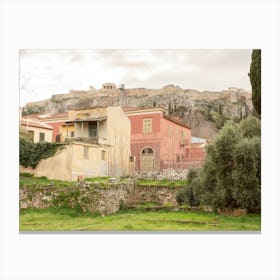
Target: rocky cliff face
column 199, row 109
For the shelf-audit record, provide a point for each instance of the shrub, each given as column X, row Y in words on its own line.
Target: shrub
column 231, row 174
column 247, row 185
column 189, row 195
column 30, row 153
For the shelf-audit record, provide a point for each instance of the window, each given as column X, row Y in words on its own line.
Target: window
column 147, row 125
column 30, row 135
column 41, row 136
column 72, row 134
column 86, row 152
column 102, row 155
column 58, row 138
column 131, row 158
column 92, row 129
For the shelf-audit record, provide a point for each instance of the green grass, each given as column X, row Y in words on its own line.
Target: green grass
column 52, row 219
column 98, row 179
column 165, row 182
column 43, row 182
column 29, row 180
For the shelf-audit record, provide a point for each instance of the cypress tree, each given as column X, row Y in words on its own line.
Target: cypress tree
column 255, row 79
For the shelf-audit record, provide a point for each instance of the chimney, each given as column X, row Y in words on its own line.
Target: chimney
column 122, row 95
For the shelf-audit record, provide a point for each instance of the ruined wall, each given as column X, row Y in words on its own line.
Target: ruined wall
column 100, row 199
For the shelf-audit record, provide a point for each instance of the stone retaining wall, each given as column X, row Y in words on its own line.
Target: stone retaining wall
column 101, row 199
column 170, row 174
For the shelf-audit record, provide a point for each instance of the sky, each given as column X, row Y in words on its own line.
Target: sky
column 47, row 72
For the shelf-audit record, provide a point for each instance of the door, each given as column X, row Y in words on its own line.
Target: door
column 147, row 159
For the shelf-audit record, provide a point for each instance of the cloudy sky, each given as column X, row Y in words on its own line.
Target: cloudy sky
column 47, row 72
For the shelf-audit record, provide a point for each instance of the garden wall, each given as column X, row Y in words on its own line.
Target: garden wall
column 102, row 199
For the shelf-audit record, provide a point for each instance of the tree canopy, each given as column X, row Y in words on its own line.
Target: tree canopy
column 231, row 174
column 255, row 79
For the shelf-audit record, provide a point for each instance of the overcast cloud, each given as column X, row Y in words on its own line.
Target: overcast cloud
column 47, row 72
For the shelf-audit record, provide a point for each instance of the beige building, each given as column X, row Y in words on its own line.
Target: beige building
column 37, row 131
column 100, row 146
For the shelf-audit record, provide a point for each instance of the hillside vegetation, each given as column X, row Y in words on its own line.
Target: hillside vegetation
column 204, row 111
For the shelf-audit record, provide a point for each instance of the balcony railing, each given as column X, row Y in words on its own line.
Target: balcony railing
column 89, row 140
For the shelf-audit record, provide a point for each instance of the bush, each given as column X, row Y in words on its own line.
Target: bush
column 30, row 153
column 231, row 174
column 189, row 195
column 247, row 157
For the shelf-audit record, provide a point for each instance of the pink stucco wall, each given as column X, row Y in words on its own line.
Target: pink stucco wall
column 165, row 140
column 55, row 126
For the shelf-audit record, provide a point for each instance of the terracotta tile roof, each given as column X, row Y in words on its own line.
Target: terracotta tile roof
column 34, row 123
column 46, row 116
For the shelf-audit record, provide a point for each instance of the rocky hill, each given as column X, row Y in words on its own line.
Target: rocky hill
column 204, row 111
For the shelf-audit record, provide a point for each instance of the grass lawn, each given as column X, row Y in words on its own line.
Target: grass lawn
column 165, row 182
column 30, row 181
column 52, row 219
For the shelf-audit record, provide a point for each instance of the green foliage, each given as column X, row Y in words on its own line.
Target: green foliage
column 162, row 183
column 69, row 199
column 28, row 180
column 32, row 153
column 189, row 194
column 231, row 174
column 25, row 174
column 218, row 118
column 248, row 157
column 255, row 79
column 35, row 109
column 25, row 134
column 103, row 179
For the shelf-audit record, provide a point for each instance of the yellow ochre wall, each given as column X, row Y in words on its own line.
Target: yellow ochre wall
column 58, row 167
column 37, row 130
column 70, row 162
column 63, row 131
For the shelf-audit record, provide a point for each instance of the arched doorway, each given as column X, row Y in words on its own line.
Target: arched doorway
column 147, row 159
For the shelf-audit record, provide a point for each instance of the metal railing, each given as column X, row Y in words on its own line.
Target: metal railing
column 89, row 140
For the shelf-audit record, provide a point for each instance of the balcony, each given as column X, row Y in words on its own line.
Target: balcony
column 89, row 140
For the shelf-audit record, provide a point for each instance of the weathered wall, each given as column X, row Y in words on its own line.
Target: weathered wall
column 101, row 199
column 92, row 166
column 118, row 128
column 56, row 167
column 63, row 130
column 37, row 130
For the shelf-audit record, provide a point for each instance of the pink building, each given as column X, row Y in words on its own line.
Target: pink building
column 197, row 152
column 157, row 140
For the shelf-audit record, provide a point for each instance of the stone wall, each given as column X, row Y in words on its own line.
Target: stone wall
column 170, row 174
column 93, row 198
